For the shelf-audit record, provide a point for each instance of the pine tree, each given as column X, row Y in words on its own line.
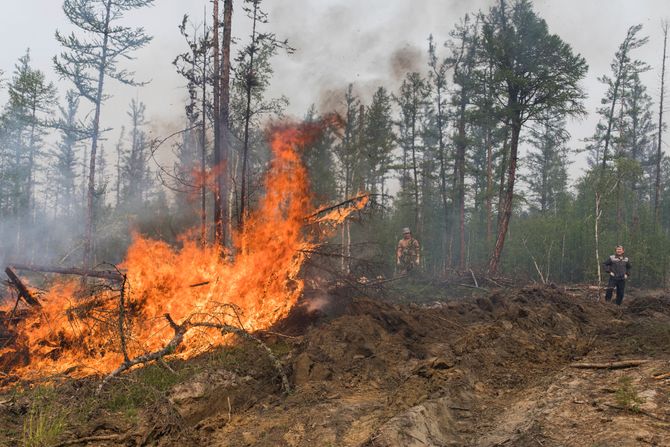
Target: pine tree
column 23, row 124
column 318, row 158
column 438, row 79
column 464, row 60
column 547, row 163
column 413, row 102
column 536, row 72
column 88, row 61
column 379, row 142
column 252, row 79
column 623, row 70
column 66, row 153
column 135, row 184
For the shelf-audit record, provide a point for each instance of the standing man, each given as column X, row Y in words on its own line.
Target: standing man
column 618, row 268
column 407, row 253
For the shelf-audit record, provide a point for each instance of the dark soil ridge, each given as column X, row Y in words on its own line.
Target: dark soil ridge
column 470, row 372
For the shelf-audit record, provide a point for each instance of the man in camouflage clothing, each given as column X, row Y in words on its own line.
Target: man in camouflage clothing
column 407, row 253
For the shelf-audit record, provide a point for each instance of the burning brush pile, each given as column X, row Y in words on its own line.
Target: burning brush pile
column 179, row 302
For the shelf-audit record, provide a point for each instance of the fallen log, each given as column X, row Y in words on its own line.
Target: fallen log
column 610, row 365
column 22, row 289
column 102, row 274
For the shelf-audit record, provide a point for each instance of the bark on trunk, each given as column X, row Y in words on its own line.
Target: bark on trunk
column 659, row 151
column 218, row 222
column 507, row 206
column 90, row 196
column 224, row 116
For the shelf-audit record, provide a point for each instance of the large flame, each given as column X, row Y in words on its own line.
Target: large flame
column 252, row 290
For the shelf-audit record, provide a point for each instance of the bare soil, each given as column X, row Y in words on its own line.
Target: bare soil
column 484, row 370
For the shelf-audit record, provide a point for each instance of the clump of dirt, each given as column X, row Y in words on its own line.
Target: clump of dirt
column 483, row 371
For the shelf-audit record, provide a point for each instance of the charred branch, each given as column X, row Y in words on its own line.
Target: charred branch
column 21, row 288
column 179, row 332
column 102, row 274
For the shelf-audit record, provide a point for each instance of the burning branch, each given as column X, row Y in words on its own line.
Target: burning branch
column 122, row 310
column 356, row 202
column 21, row 288
column 103, row 274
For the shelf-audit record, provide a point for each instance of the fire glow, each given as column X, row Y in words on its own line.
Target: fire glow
column 252, row 291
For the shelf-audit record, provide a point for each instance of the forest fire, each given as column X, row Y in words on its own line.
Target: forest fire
column 250, row 290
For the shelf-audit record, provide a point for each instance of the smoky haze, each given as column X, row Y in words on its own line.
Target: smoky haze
column 337, row 42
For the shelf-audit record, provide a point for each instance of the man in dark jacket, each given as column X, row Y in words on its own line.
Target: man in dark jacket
column 618, row 268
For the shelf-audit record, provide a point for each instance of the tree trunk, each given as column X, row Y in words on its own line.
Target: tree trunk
column 90, row 196
column 443, row 173
column 203, row 147
column 415, row 176
column 244, row 195
column 659, row 150
column 503, row 168
column 610, row 118
column 489, row 185
column 224, row 115
column 597, row 242
column 509, row 195
column 216, row 102
column 460, row 179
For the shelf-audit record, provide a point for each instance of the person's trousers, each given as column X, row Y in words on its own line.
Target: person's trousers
column 619, row 285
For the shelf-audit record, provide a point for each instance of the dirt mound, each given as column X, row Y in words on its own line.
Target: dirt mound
column 648, row 305
column 491, row 370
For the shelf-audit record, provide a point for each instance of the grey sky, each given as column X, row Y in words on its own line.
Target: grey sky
column 368, row 43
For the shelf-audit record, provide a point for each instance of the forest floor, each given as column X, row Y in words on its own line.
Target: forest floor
column 487, row 369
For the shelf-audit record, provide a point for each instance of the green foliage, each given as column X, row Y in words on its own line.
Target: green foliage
column 45, row 420
column 627, row 396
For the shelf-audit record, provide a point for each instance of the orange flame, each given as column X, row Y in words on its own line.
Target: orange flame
column 253, row 290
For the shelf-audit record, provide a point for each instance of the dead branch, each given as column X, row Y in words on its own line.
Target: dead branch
column 22, row 289
column 610, row 365
column 469, row 286
column 88, row 439
column 103, row 274
column 226, row 328
column 122, row 310
column 578, row 288
column 474, row 278
column 662, row 376
column 179, row 331
column 637, row 410
column 537, row 267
